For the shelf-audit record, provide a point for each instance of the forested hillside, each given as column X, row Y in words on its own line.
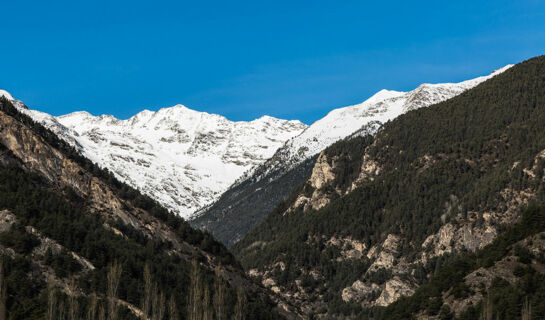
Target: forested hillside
column 431, row 184
column 76, row 243
column 504, row 280
column 245, row 205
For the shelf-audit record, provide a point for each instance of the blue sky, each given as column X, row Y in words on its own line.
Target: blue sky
column 244, row 59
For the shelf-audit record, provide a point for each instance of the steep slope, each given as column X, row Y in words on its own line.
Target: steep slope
column 68, row 228
column 504, row 280
column 380, row 214
column 255, row 194
column 182, row 158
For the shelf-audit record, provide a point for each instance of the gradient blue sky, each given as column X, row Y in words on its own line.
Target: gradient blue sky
column 244, row 59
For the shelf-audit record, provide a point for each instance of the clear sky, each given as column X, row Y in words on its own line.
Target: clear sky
column 243, row 59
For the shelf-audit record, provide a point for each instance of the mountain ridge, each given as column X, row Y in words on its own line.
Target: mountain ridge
column 181, row 157
column 389, row 210
column 232, row 208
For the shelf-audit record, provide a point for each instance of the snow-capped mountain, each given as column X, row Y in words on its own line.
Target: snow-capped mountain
column 383, row 106
column 183, row 158
column 262, row 188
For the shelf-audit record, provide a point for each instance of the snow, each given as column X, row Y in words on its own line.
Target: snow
column 340, row 123
column 4, row 93
column 185, row 159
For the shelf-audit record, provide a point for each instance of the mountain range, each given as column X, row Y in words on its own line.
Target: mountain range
column 259, row 190
column 443, row 205
column 186, row 160
column 427, row 204
column 182, row 158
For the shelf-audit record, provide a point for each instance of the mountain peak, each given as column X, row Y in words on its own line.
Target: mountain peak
column 7, row 95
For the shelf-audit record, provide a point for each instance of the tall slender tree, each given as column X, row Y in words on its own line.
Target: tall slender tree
column 526, row 313
column 208, row 311
column 3, row 291
column 195, row 311
column 51, row 300
column 240, row 307
column 92, row 310
column 220, row 291
column 73, row 306
column 114, row 275
column 146, row 303
column 172, row 309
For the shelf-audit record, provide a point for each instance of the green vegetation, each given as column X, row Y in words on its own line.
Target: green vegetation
column 507, row 299
column 469, row 148
column 201, row 239
column 19, row 240
column 61, row 215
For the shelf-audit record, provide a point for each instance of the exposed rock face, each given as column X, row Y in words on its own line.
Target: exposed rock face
column 393, row 290
column 383, row 258
column 322, row 174
column 359, row 291
column 480, row 280
column 321, row 177
column 37, row 156
column 7, row 220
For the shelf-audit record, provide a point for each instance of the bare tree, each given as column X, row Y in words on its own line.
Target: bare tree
column 487, row 309
column 114, row 274
column 73, row 306
column 172, row 310
column 3, row 291
column 158, row 305
column 92, row 310
column 146, row 303
column 101, row 313
column 195, row 293
column 240, row 307
column 61, row 310
column 526, row 313
column 208, row 313
column 51, row 300
column 220, row 291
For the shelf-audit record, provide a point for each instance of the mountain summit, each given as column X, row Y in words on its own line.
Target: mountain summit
column 182, row 158
column 256, row 193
